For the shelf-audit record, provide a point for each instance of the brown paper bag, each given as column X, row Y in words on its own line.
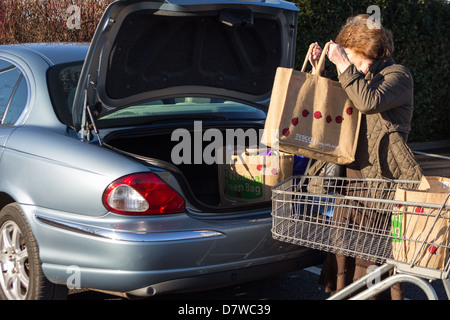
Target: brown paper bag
column 435, row 184
column 420, row 232
column 311, row 116
column 250, row 176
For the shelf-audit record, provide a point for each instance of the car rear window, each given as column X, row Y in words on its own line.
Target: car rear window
column 196, row 108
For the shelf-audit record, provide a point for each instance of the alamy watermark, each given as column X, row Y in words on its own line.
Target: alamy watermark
column 74, row 17
column 374, row 20
column 214, row 146
column 74, row 279
column 374, row 276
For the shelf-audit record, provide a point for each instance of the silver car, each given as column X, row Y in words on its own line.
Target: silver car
column 90, row 193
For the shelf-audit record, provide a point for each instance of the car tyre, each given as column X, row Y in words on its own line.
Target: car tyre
column 22, row 277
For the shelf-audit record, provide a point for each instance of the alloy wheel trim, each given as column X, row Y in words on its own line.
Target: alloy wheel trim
column 14, row 279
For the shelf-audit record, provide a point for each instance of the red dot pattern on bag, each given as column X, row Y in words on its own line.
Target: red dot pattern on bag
column 285, row 132
column 432, row 249
column 318, row 115
column 259, row 167
column 418, row 210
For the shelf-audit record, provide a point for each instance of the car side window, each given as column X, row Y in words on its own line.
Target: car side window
column 13, row 93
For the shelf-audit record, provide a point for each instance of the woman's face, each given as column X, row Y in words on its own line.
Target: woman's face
column 353, row 57
column 360, row 62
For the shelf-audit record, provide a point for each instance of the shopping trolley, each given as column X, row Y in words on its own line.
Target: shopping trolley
column 361, row 218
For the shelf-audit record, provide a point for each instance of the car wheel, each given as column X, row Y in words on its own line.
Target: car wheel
column 22, row 277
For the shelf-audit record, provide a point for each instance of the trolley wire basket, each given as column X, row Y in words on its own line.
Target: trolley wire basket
column 360, row 218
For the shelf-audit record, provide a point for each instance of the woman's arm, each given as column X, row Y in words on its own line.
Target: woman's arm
column 387, row 90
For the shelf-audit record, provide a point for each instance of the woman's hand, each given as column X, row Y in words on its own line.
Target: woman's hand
column 338, row 56
column 315, row 57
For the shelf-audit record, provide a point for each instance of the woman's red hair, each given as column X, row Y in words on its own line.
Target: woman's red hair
column 373, row 43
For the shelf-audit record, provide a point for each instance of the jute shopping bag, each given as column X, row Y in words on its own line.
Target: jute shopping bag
column 249, row 176
column 420, row 224
column 311, row 116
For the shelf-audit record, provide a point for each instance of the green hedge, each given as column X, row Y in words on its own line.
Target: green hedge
column 421, row 31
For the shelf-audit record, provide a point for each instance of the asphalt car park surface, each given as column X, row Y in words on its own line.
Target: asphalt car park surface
column 434, row 158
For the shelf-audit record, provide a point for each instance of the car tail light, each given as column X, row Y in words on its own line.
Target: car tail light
column 142, row 194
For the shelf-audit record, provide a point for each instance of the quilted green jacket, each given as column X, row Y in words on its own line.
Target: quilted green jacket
column 384, row 96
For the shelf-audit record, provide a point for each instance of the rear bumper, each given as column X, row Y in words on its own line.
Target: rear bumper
column 121, row 282
column 147, row 256
column 232, row 277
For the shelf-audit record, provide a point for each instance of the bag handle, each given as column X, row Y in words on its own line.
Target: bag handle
column 321, row 62
column 305, row 63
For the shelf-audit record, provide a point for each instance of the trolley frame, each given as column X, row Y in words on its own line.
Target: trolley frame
column 357, row 218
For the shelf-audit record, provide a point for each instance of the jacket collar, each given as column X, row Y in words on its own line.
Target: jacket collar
column 377, row 65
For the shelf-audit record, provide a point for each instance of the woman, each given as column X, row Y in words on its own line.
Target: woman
column 383, row 92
